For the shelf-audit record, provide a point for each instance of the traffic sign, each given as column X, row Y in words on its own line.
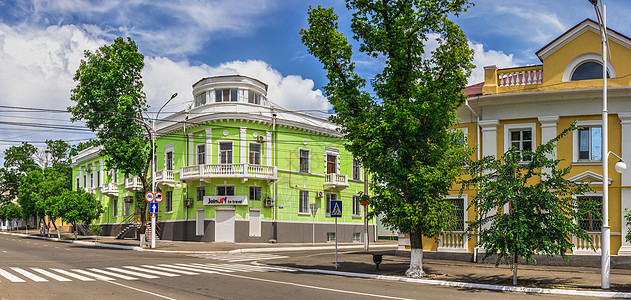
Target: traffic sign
column 314, row 209
column 149, row 196
column 336, row 209
column 158, row 197
column 153, row 207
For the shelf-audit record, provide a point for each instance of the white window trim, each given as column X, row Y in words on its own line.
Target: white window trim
column 575, row 139
column 219, row 150
column 253, row 186
column 261, row 153
column 583, row 58
column 465, row 132
column 308, row 159
column 591, row 194
column 307, row 211
column 523, row 126
column 465, row 198
column 168, row 148
column 336, row 153
column 197, row 153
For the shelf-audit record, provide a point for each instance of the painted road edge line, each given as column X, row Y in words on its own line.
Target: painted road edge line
column 477, row 285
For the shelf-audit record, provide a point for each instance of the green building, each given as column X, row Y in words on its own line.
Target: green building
column 232, row 168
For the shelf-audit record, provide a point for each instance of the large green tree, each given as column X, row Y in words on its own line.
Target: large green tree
column 109, row 98
column 401, row 133
column 543, row 211
column 76, row 207
column 18, row 160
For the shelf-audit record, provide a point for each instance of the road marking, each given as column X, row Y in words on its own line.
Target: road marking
column 51, row 275
column 152, row 271
column 143, row 291
column 170, row 270
column 10, row 276
column 29, row 275
column 97, row 276
column 239, row 257
column 121, row 276
column 148, row 276
column 77, row 276
column 222, row 269
column 188, row 268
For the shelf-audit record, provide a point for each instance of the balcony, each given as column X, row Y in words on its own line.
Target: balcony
column 133, row 184
column 243, row 171
column 453, row 241
column 165, row 178
column 335, row 181
column 110, row 189
column 581, row 246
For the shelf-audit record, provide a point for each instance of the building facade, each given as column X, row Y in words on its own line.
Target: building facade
column 232, row 168
column 524, row 107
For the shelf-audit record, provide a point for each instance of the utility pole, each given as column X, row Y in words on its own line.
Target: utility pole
column 366, row 243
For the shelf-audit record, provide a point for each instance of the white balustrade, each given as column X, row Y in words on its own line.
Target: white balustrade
column 581, row 246
column 526, row 77
column 228, row 171
column 453, row 241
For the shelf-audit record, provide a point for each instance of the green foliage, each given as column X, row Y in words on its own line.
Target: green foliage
column 542, row 211
column 10, row 211
column 17, row 161
column 627, row 216
column 77, row 207
column 96, row 229
column 402, row 135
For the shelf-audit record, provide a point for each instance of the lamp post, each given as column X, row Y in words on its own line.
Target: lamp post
column 153, row 169
column 620, row 166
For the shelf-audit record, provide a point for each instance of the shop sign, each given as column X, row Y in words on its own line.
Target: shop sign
column 225, row 200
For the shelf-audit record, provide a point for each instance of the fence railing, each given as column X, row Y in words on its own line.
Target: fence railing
column 581, row 246
column 520, row 76
column 453, row 241
column 228, row 171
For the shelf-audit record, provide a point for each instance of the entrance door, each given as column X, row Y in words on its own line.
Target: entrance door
column 199, row 222
column 224, row 225
column 255, row 223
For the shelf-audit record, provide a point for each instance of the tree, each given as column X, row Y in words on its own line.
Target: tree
column 18, row 161
column 77, row 207
column 9, row 211
column 627, row 216
column 110, row 99
column 542, row 214
column 401, row 134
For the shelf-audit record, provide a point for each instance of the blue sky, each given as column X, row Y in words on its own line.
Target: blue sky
column 41, row 44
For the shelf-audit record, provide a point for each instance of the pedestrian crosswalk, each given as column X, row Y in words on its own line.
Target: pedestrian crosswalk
column 239, row 257
column 38, row 274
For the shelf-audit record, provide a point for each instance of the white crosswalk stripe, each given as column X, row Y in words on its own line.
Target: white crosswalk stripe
column 38, row 274
column 239, row 257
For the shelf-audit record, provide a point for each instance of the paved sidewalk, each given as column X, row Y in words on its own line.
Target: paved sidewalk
column 353, row 261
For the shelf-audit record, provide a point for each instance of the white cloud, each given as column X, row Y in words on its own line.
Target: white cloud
column 482, row 58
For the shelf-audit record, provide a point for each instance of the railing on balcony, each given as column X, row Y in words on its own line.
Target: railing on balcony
column 110, row 189
column 165, row 177
column 133, row 184
column 582, row 247
column 335, row 181
column 453, row 241
column 243, row 171
column 520, row 76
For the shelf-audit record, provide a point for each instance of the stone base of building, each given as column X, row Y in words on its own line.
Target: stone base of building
column 279, row 232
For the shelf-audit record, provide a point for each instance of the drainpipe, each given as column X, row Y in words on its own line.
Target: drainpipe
column 275, row 225
column 479, row 154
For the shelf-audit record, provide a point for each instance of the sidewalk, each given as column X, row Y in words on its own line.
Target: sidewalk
column 353, row 261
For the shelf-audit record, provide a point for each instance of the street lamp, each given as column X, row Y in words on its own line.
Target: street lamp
column 153, row 169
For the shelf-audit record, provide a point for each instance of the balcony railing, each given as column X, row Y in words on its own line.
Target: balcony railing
column 133, row 184
column 520, row 76
column 581, row 246
column 243, row 171
column 165, row 177
column 335, row 181
column 110, row 189
column 453, row 241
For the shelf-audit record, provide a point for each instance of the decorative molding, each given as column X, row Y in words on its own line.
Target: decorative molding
column 596, row 179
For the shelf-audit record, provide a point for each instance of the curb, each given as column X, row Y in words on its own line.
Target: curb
column 477, row 285
column 288, row 249
column 93, row 244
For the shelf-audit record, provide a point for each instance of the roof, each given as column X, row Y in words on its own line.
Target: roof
column 473, row 90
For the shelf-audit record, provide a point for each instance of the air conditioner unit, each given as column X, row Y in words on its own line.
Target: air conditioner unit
column 319, row 194
column 188, row 202
column 268, row 202
column 260, row 139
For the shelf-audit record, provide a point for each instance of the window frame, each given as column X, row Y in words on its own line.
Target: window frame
column 225, row 193
column 115, row 207
column 255, row 189
column 329, row 197
column 199, row 97
column 303, row 202
column 591, row 195
column 307, row 160
column 465, row 203
column 576, row 141
column 331, row 163
column 219, row 152
column 199, row 154
column 200, row 192
column 260, row 154
column 509, row 128
column 168, row 161
column 356, row 206
column 357, row 169
column 168, row 199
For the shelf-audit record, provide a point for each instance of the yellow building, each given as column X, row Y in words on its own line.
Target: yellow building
column 525, row 106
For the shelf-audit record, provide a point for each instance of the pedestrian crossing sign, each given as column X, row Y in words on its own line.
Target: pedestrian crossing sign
column 336, row 209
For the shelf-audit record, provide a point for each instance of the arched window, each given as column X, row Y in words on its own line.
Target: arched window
column 589, row 70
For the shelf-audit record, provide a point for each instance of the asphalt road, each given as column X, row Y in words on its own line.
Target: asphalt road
column 39, row 269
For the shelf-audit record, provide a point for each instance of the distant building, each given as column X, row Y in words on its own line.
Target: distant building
column 232, row 168
column 524, row 107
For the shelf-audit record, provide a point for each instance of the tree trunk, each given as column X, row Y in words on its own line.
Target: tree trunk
column 416, row 256
column 515, row 264
column 58, row 234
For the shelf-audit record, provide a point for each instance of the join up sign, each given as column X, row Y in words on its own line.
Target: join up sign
column 225, row 200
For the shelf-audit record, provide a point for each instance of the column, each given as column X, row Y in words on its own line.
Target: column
column 625, row 193
column 548, row 132
column 489, row 142
column 243, row 143
column 268, row 148
column 191, row 151
column 209, row 145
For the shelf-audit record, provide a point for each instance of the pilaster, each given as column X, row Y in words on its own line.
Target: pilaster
column 625, row 192
column 243, row 143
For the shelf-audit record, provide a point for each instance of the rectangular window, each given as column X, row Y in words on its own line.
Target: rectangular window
column 587, row 221
column 91, row 180
column 98, row 178
column 115, row 176
column 233, row 95
column 357, row 169
column 115, row 207
column 218, row 94
column 168, row 198
column 522, row 141
column 254, row 98
column 590, row 143
column 304, row 161
column 330, row 236
column 458, row 212
column 331, row 164
column 255, row 193
column 356, row 237
column 200, row 99
column 78, row 185
column 226, row 96
column 201, row 192
column 169, row 160
column 303, row 201
column 225, row 190
column 329, row 198
column 128, row 201
column 255, row 154
column 225, row 152
column 85, row 182
column 201, row 154
column 356, row 206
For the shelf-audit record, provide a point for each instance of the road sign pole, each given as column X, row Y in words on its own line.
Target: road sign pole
column 336, row 243
column 313, row 231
